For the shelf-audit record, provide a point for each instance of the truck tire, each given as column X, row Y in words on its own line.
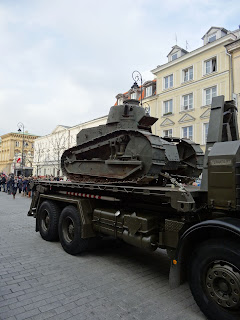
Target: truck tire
column 214, row 279
column 69, row 230
column 48, row 216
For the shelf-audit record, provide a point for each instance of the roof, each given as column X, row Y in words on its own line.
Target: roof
column 26, row 134
column 145, row 84
column 21, row 133
column 225, row 38
column 59, row 128
column 234, row 41
column 61, row 125
column 178, row 48
column 223, row 29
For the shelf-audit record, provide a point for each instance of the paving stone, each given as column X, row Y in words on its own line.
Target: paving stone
column 38, row 280
column 28, row 314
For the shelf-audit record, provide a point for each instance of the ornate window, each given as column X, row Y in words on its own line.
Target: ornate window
column 187, row 132
column 205, row 132
column 168, row 106
column 209, row 93
column 167, row 133
column 187, row 101
column 168, row 81
column 188, row 74
column 210, row 65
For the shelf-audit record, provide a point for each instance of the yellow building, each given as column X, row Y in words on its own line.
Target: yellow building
column 233, row 49
column 187, row 83
column 12, row 147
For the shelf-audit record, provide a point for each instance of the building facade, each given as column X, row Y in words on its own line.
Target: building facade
column 16, row 153
column 49, row 149
column 233, row 50
column 187, row 83
column 145, row 94
column 180, row 96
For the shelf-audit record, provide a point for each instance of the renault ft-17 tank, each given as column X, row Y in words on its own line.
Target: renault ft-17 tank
column 125, row 151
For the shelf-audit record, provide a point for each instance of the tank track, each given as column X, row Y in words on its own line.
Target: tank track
column 159, row 148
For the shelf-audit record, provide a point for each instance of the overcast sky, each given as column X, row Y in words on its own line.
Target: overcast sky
column 64, row 61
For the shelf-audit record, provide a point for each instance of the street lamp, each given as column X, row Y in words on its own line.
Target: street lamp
column 21, row 126
column 147, row 109
column 136, row 75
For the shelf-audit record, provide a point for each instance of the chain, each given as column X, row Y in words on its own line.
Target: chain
column 174, row 181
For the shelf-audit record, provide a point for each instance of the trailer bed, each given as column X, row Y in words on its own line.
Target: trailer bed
column 181, row 199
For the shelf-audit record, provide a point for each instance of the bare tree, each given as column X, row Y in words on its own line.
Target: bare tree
column 58, row 143
column 38, row 156
column 48, row 152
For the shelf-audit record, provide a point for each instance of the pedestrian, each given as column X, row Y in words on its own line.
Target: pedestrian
column 14, row 186
column 25, row 183
column 4, row 183
column 20, row 184
column 29, row 188
column 9, row 178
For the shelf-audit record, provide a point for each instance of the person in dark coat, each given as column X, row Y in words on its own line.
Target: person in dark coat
column 25, row 186
column 20, row 184
column 9, row 185
column 14, row 186
column 4, row 183
column 29, row 188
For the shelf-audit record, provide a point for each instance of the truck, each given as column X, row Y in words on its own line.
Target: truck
column 129, row 184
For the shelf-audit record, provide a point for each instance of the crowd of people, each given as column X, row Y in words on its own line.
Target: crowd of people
column 12, row 184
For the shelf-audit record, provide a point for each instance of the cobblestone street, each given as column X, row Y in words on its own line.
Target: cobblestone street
column 38, row 280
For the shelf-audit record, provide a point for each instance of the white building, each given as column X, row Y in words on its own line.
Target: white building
column 49, row 149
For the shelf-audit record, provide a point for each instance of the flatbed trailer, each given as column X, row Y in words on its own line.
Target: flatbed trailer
column 198, row 226
column 172, row 218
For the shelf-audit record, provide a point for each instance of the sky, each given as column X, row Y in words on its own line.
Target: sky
column 62, row 62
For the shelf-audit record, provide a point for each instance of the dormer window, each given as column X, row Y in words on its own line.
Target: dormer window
column 120, row 101
column 134, row 95
column 213, row 34
column 176, row 53
column 174, row 56
column 212, row 37
column 149, row 91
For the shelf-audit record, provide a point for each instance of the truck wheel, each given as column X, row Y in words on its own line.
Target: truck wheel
column 48, row 216
column 215, row 279
column 69, row 229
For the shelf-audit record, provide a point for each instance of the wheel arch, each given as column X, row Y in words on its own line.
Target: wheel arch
column 223, row 228
column 84, row 207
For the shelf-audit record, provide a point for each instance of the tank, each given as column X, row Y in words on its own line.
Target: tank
column 125, row 151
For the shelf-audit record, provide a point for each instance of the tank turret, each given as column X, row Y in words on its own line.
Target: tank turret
column 127, row 116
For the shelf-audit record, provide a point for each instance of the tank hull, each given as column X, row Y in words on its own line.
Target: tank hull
column 125, row 151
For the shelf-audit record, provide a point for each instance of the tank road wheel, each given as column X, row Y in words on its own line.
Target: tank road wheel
column 70, row 231
column 215, row 279
column 48, row 217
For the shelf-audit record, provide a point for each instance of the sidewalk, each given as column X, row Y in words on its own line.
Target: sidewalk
column 38, row 280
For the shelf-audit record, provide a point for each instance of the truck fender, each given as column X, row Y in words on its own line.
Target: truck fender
column 84, row 207
column 226, row 227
